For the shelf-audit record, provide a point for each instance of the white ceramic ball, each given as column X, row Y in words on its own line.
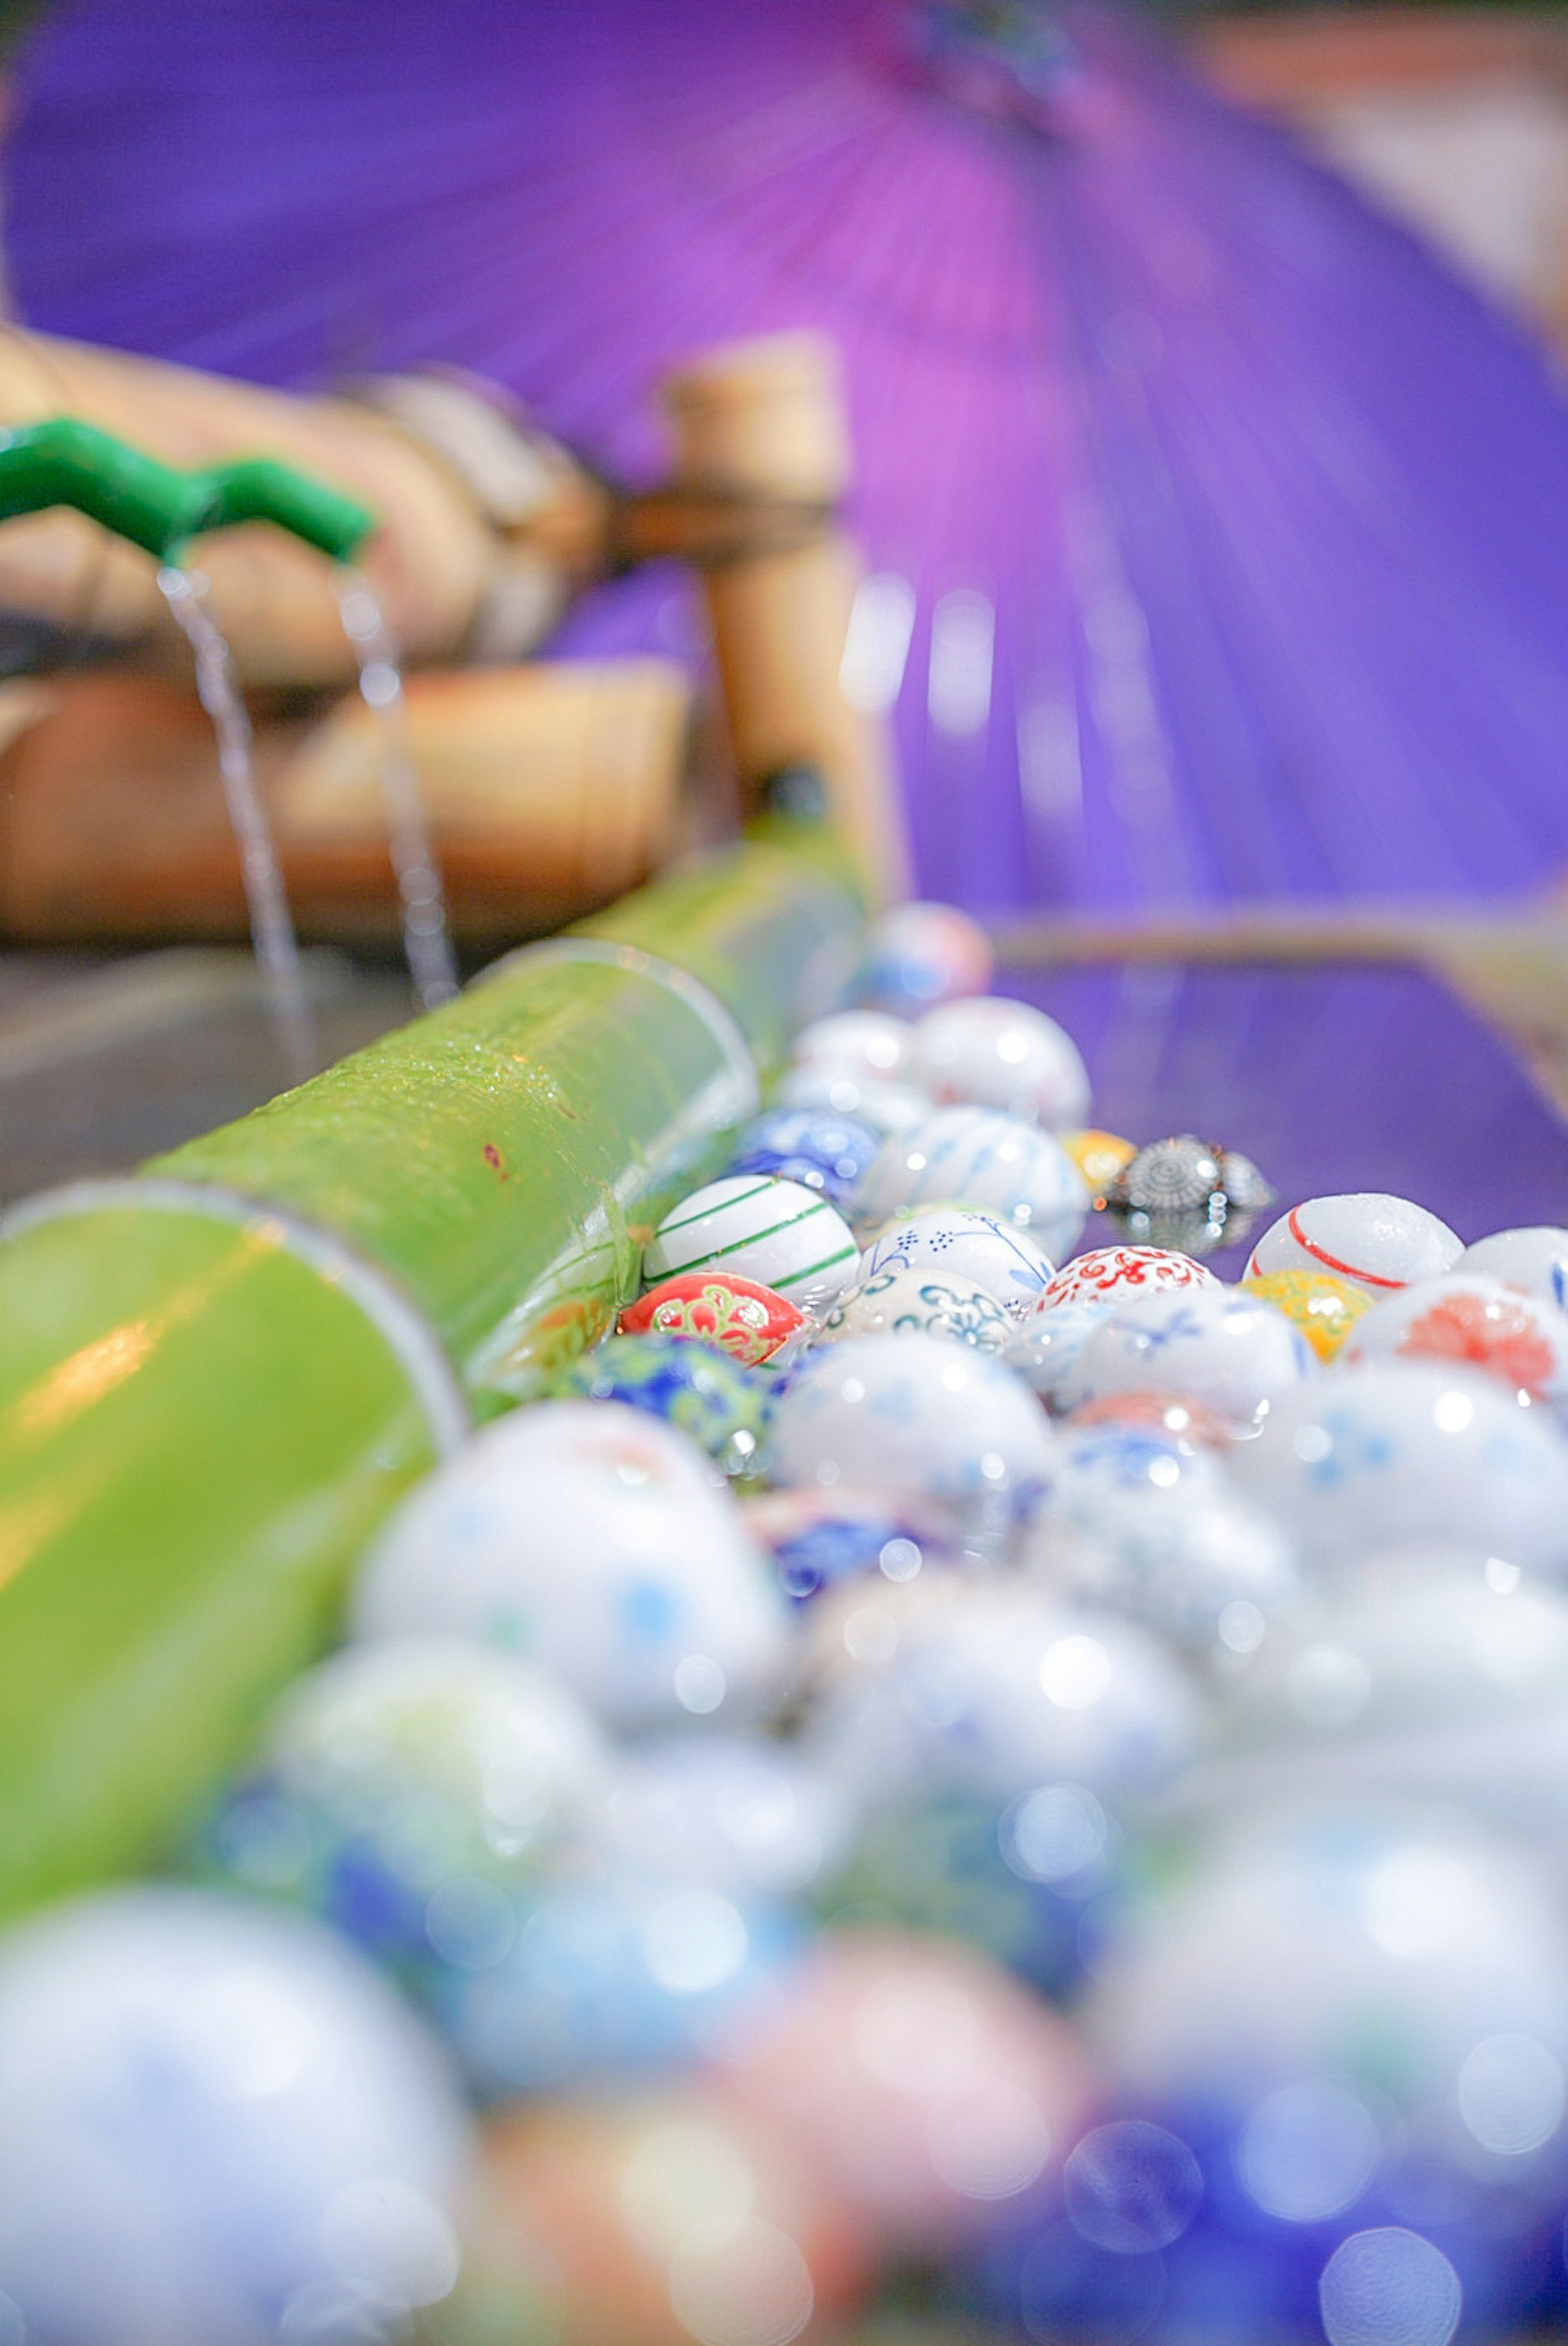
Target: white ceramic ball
column 1044, row 1346
column 899, row 1302
column 1231, row 1352
column 922, row 954
column 922, row 1417
column 886, row 1107
column 1535, row 1259
column 217, row 2123
column 1405, row 1453
column 779, row 1233
column 1379, row 1950
column 406, row 1721
column 958, row 1243
column 1204, row 1566
column 867, row 1044
column 608, row 1557
column 1474, row 1320
column 993, row 1687
column 735, row 1814
column 1376, row 1242
column 994, row 1053
column 979, row 1157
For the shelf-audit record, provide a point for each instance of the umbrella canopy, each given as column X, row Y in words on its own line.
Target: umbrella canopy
column 1218, row 539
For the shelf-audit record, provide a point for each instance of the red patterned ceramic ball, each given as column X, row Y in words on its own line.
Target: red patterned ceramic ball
column 745, row 1319
column 1118, row 1274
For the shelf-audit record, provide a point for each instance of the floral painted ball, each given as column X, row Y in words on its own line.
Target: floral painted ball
column 698, row 1388
column 1229, row 1350
column 899, row 1302
column 1501, row 1331
column 971, row 1248
column 1117, row 1274
column 749, row 1321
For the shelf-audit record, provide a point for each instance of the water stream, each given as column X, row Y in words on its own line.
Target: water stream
column 426, row 942
column 271, row 929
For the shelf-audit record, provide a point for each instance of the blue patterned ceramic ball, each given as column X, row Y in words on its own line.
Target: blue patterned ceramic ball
column 407, row 1790
column 1032, row 1882
column 698, row 1388
column 610, row 1977
column 815, row 1148
column 600, row 1542
column 216, row 2123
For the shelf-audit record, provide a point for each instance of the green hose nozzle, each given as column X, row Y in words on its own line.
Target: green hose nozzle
column 65, row 462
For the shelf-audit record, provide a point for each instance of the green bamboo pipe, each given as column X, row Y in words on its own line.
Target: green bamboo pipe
column 217, row 1377
column 65, row 462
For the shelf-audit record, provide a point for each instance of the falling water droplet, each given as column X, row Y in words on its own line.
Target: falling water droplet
column 425, row 932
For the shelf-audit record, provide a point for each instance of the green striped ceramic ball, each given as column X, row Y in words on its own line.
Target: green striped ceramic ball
column 788, row 1237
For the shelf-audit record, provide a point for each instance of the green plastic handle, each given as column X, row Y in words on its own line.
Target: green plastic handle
column 65, row 462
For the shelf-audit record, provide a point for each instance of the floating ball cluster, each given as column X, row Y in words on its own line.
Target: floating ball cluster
column 935, row 1770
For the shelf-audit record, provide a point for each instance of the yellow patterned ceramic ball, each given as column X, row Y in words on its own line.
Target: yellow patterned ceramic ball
column 1323, row 1306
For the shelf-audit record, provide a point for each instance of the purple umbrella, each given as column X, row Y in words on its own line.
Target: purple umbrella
column 1219, row 540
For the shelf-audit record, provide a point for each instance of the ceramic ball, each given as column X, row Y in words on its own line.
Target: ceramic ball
column 1535, row 1259
column 1375, row 1241
column 818, row 1538
column 818, row 1150
column 601, row 1550
column 992, row 1687
column 216, row 2123
column 1046, row 1344
column 975, row 1248
column 922, row 1417
column 1324, row 1306
column 1205, row 1567
column 1118, row 1274
column 1377, row 1950
column 922, row 953
column 696, row 1386
column 898, row 1302
column 922, row 2083
column 605, row 1975
column 884, row 1107
column 979, row 1157
column 866, row 1045
column 1408, row 1453
column 1475, row 1320
column 776, row 1232
column 1029, row 1882
column 1432, row 1678
column 406, row 1788
column 1227, row 1350
column 665, row 2220
column 751, row 1322
column 993, row 1053
column 738, row 1814
column 1098, row 1155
